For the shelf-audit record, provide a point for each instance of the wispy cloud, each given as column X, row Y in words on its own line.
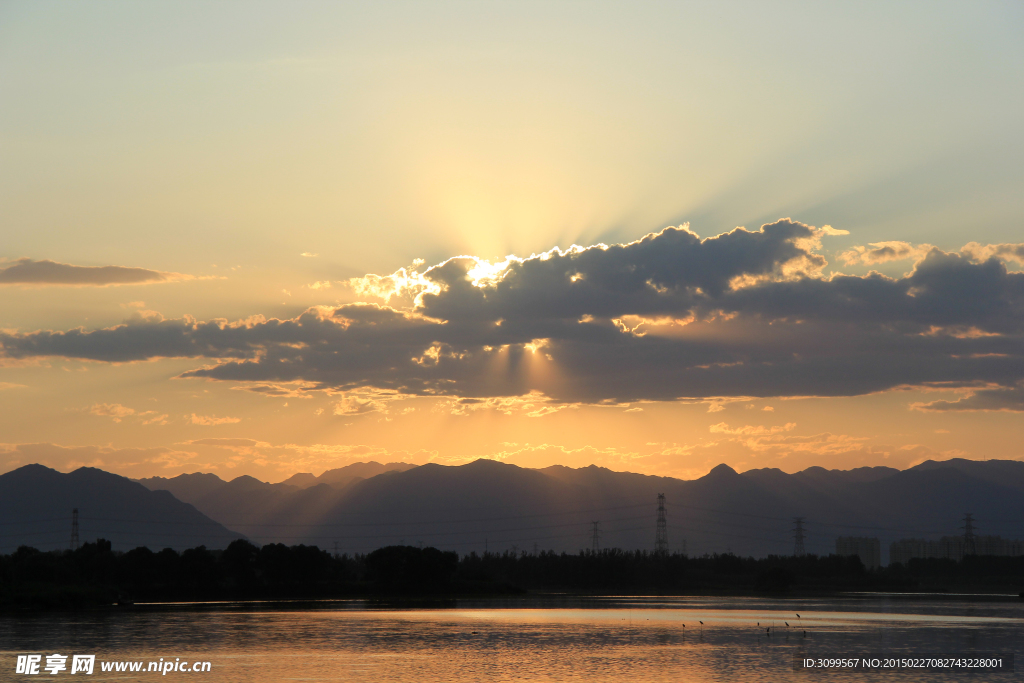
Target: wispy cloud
column 296, row 389
column 212, row 420
column 115, row 411
column 533, row 404
column 28, row 272
column 118, row 412
column 750, row 430
column 1000, row 399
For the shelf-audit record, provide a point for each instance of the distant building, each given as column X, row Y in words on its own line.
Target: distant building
column 867, row 549
column 951, row 548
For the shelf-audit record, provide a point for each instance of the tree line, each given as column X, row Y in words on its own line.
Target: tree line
column 96, row 575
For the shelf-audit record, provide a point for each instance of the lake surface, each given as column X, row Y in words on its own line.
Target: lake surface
column 550, row 639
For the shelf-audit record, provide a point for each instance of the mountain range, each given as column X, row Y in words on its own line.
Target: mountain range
column 37, row 504
column 488, row 505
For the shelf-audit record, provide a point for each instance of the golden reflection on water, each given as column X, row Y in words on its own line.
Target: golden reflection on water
column 626, row 640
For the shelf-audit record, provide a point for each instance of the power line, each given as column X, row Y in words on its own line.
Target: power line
column 229, row 532
column 368, row 524
column 211, row 522
column 449, row 534
column 830, row 524
column 393, row 510
column 33, row 521
column 712, row 522
column 380, row 538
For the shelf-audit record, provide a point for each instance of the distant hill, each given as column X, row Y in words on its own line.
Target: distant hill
column 36, row 506
column 343, row 476
column 250, row 504
column 269, row 510
column 199, row 487
column 1002, row 472
column 488, row 504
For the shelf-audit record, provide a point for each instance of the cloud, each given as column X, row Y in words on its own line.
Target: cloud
column 668, row 317
column 210, row 420
column 407, row 284
column 1010, row 400
column 28, row 272
column 114, row 411
column 1006, row 252
column 232, row 444
column 297, row 389
column 832, row 232
column 883, row 252
column 533, row 404
column 750, row 430
column 118, row 412
column 357, row 405
column 10, row 385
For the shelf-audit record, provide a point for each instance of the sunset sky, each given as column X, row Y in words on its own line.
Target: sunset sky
column 263, row 239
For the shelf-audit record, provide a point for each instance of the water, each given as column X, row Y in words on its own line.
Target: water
column 551, row 639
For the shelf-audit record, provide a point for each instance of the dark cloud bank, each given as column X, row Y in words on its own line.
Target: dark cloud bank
column 28, row 272
column 669, row 316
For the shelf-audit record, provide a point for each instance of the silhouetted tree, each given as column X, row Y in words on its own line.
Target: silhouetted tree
column 240, row 562
column 410, row 569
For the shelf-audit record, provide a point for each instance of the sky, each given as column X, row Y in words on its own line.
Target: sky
column 269, row 238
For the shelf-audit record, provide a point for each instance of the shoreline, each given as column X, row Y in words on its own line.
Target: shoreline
column 532, row 600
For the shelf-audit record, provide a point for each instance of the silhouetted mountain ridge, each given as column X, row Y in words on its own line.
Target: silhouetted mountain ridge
column 36, row 505
column 493, row 505
column 343, row 476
